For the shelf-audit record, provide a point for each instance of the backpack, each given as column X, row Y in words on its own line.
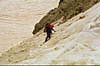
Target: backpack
column 47, row 26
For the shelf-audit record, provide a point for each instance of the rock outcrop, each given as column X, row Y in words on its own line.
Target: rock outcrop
column 66, row 10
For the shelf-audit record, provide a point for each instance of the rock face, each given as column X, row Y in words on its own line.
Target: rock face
column 66, row 10
column 77, row 41
column 18, row 17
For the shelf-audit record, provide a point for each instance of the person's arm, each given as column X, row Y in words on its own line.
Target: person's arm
column 53, row 30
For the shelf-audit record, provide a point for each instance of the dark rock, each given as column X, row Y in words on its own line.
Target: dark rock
column 66, row 9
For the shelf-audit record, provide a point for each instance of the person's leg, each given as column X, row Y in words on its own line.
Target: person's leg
column 46, row 38
column 49, row 35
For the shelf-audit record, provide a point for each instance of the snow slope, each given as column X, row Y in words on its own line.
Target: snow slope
column 18, row 17
column 75, row 42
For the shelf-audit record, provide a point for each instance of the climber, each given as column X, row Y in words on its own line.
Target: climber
column 48, row 29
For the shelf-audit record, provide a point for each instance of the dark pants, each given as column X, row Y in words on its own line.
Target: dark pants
column 48, row 37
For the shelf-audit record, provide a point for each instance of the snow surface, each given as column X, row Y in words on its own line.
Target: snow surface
column 76, row 42
column 18, row 17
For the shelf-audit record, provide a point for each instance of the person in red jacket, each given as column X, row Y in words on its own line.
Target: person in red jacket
column 48, row 29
